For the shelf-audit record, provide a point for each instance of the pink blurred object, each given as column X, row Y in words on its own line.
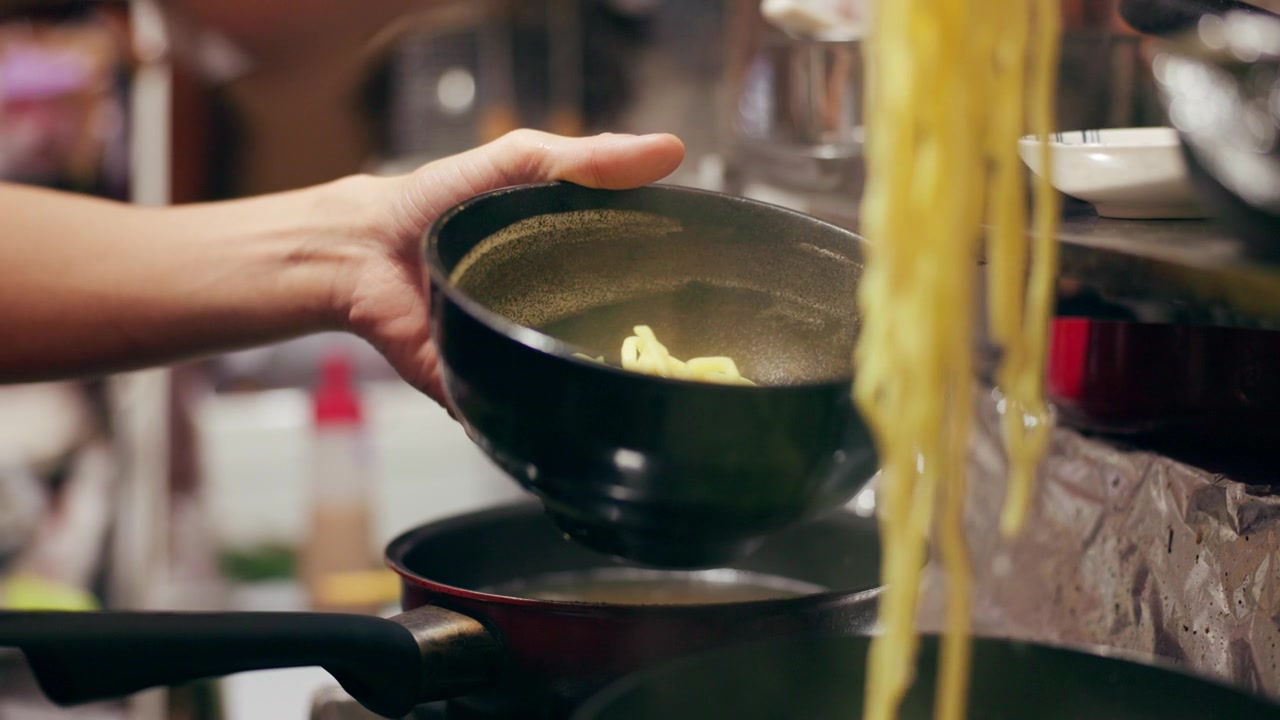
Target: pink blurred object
column 34, row 73
column 39, row 121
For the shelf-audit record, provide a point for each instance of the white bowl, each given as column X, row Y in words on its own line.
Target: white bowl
column 1135, row 173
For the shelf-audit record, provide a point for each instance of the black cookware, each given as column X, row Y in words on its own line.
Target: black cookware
column 666, row 472
column 822, row 679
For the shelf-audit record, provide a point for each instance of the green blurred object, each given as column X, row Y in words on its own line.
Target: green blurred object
column 259, row 563
column 27, row 591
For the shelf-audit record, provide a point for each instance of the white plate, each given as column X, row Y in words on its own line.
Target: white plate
column 1135, row 173
column 833, row 19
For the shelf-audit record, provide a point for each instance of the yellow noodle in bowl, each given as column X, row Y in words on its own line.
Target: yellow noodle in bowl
column 643, row 353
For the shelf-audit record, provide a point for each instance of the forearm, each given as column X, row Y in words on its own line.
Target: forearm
column 89, row 286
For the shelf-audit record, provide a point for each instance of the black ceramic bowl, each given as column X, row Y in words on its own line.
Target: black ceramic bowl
column 662, row 472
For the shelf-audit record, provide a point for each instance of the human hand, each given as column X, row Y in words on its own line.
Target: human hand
column 384, row 295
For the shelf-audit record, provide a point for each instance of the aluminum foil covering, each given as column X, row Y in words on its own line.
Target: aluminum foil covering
column 1126, row 549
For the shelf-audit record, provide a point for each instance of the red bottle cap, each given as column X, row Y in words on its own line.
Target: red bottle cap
column 335, row 400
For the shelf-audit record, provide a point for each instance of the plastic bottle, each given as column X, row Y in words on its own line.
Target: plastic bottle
column 339, row 533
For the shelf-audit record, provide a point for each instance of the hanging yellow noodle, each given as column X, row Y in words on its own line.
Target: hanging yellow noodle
column 948, row 95
column 644, row 354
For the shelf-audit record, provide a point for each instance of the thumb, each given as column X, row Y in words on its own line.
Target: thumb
column 609, row 161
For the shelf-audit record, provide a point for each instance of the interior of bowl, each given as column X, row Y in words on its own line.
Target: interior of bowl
column 710, row 274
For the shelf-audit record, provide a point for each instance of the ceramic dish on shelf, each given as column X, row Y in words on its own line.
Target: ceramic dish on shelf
column 1132, row 173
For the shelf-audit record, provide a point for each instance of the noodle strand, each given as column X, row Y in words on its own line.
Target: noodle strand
column 948, row 96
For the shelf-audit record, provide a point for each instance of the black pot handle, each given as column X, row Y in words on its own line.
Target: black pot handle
column 389, row 666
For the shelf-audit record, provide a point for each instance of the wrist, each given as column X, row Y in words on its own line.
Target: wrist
column 280, row 265
column 335, row 235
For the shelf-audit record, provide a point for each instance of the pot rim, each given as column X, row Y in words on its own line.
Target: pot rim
column 398, row 550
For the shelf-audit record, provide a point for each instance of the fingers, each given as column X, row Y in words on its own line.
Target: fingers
column 614, row 162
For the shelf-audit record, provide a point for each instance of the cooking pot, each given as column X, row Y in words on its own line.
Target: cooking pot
column 1217, row 385
column 822, row 679
column 526, row 281
column 488, row 614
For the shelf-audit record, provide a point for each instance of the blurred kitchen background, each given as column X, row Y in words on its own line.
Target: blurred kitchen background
column 197, row 487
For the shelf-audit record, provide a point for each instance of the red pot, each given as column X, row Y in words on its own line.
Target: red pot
column 1219, row 385
column 461, row 633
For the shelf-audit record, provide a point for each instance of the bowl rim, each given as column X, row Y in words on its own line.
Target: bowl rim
column 1153, row 137
column 548, row 345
